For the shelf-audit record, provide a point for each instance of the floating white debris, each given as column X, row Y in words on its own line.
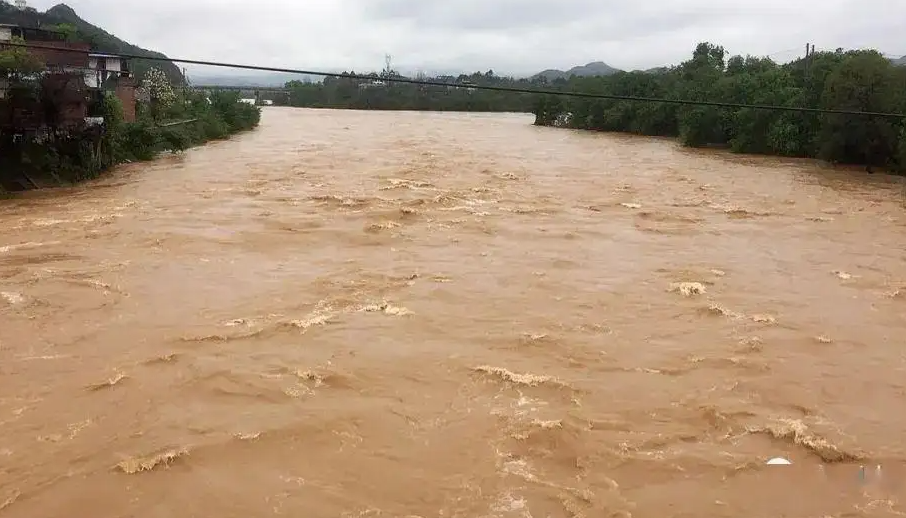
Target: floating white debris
column 779, row 461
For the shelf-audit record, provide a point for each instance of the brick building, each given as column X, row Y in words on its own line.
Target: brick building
column 111, row 72
column 74, row 80
column 53, row 59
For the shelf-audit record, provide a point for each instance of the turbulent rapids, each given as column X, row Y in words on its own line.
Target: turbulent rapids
column 419, row 315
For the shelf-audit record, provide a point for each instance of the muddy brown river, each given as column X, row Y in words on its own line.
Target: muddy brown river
column 367, row 314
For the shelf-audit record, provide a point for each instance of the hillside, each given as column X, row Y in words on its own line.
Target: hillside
column 100, row 40
column 598, row 68
column 901, row 61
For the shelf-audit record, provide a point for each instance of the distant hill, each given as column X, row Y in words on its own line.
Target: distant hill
column 598, row 68
column 900, row 62
column 100, row 40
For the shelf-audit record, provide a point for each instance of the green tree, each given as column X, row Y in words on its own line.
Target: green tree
column 69, row 30
column 17, row 63
column 853, row 81
column 862, row 81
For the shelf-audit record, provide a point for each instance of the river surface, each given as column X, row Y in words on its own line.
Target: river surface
column 364, row 314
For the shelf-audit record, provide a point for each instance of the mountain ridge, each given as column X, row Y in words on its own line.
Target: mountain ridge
column 595, row 68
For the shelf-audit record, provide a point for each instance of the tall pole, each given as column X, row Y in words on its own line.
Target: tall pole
column 808, row 46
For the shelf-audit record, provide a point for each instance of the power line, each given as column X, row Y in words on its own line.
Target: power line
column 509, row 89
column 786, row 51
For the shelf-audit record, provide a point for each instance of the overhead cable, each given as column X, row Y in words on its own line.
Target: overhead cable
column 508, row 89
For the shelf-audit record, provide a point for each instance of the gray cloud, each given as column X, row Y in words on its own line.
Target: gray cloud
column 508, row 36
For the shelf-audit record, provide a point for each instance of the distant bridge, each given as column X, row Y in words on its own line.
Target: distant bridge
column 272, row 93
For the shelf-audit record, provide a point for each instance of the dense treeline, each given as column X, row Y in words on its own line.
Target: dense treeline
column 860, row 80
column 377, row 94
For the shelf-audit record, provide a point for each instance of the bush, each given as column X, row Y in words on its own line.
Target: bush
column 212, row 127
column 222, row 116
column 237, row 115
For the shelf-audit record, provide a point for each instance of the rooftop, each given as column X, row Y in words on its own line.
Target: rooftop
column 26, row 27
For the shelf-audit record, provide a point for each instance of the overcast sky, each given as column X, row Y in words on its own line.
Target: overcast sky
column 508, row 36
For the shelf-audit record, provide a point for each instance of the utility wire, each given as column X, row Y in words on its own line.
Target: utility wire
column 509, row 89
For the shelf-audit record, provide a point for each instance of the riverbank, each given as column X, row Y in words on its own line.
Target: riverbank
column 189, row 120
column 858, row 80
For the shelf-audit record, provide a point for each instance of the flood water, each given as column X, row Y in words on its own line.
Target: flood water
column 371, row 314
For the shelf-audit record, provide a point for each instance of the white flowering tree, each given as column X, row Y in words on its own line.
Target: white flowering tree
column 158, row 91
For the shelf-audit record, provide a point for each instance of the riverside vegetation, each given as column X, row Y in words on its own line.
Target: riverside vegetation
column 168, row 119
column 60, row 156
column 858, row 80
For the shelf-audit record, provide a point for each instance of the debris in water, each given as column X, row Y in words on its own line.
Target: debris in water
column 843, row 275
column 631, row 205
